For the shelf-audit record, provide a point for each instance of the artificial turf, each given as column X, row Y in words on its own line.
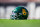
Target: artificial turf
column 19, row 23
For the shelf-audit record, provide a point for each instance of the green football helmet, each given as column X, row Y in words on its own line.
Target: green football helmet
column 19, row 13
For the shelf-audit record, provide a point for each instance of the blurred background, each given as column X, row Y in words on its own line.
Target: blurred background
column 33, row 7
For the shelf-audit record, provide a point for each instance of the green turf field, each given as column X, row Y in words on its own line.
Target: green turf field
column 19, row 23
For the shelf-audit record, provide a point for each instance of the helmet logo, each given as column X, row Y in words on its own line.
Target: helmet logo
column 24, row 11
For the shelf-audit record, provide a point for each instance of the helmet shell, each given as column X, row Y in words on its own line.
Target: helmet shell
column 19, row 13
